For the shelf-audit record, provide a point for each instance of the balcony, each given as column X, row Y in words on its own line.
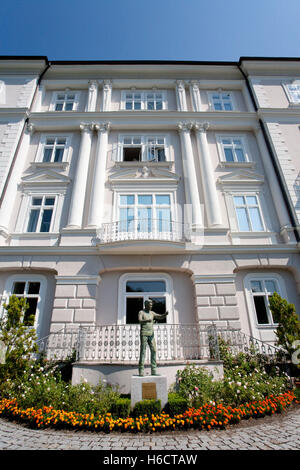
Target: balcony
column 120, row 344
column 144, row 229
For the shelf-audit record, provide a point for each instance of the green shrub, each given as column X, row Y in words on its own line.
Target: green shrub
column 195, row 384
column 121, row 408
column 176, row 404
column 288, row 329
column 19, row 339
column 297, row 393
column 42, row 385
column 147, row 407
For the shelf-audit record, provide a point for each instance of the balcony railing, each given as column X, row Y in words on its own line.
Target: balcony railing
column 144, row 229
column 121, row 343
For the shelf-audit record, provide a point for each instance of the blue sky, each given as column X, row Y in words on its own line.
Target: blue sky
column 150, row 29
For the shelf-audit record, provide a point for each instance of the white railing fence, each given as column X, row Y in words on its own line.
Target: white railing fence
column 144, row 229
column 121, row 343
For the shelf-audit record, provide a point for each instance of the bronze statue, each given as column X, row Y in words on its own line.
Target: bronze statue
column 146, row 320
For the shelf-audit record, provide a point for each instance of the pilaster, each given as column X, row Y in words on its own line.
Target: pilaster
column 190, row 183
column 195, row 96
column 80, row 179
column 99, row 176
column 212, row 204
column 92, row 96
column 106, row 97
column 181, row 96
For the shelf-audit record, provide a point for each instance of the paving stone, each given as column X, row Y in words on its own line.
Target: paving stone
column 278, row 433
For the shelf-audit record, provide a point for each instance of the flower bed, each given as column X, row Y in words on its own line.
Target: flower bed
column 205, row 417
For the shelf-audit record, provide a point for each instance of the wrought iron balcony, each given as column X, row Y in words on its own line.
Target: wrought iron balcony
column 144, row 229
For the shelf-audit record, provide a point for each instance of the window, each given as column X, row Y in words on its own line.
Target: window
column 154, row 101
column 143, row 148
column 133, row 101
column 54, row 149
column 138, row 291
column 65, row 101
column 145, row 213
column 293, row 92
column 261, row 290
column 33, row 288
column 136, row 288
column 248, row 213
column 221, row 101
column 40, row 213
column 143, row 100
column 233, row 149
column 156, row 149
column 31, row 291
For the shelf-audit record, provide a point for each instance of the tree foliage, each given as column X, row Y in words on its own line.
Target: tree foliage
column 288, row 329
column 18, row 336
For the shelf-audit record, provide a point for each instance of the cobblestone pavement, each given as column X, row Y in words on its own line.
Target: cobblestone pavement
column 280, row 432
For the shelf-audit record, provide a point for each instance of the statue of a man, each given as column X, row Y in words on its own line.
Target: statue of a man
column 146, row 320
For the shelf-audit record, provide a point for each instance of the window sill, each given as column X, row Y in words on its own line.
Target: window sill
column 237, row 164
column 267, row 326
column 141, row 164
column 56, row 165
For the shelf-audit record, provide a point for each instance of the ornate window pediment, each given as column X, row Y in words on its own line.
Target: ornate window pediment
column 45, row 177
column 143, row 174
column 242, row 177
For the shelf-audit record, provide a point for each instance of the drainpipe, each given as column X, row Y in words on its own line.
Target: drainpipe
column 273, row 160
column 48, row 65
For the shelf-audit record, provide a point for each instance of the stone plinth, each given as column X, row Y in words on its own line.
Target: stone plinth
column 148, row 387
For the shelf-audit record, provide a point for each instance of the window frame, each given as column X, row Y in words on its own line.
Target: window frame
column 244, row 145
column 30, row 207
column 55, row 99
column 256, row 327
column 288, row 93
column 143, row 100
column 39, row 314
column 42, row 144
column 246, row 194
column 220, row 92
column 136, row 206
column 144, row 146
column 138, row 276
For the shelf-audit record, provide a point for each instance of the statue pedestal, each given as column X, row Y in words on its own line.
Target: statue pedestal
column 149, row 387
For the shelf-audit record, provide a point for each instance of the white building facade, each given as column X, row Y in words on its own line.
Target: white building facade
column 137, row 180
